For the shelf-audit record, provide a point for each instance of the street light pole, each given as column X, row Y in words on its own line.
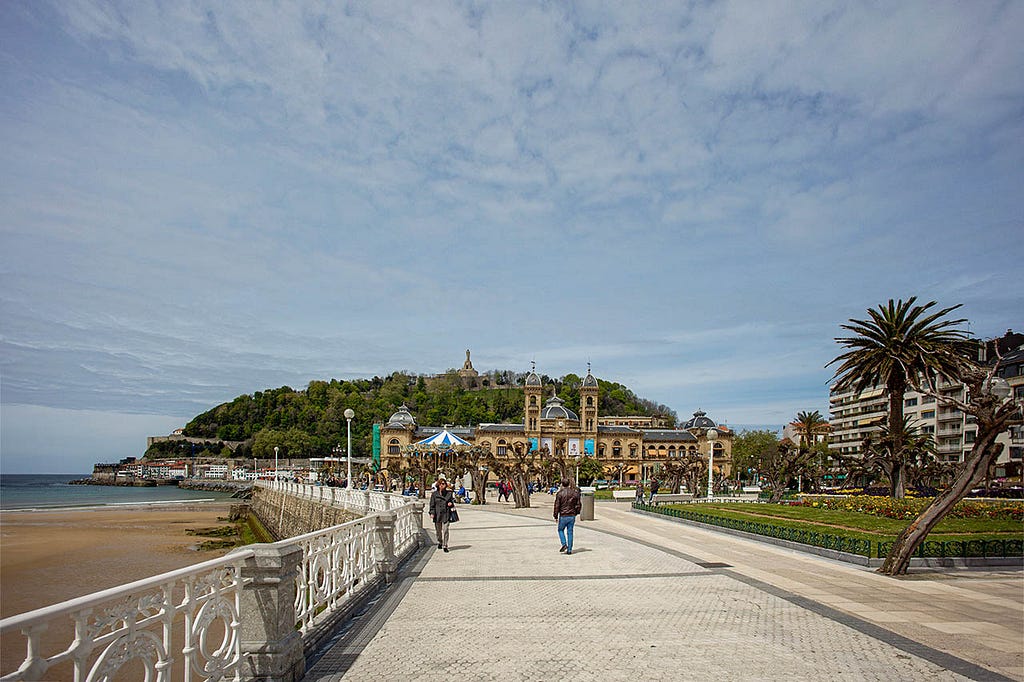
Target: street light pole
column 277, row 473
column 712, row 436
column 348, row 417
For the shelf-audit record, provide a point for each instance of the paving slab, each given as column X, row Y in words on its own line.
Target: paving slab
column 651, row 599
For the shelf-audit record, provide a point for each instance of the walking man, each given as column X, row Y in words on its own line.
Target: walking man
column 567, row 506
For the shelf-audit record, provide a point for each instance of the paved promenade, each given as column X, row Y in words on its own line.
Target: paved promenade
column 649, row 599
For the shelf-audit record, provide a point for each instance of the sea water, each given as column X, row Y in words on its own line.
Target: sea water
column 53, row 491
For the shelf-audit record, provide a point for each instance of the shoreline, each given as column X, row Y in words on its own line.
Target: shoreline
column 117, row 505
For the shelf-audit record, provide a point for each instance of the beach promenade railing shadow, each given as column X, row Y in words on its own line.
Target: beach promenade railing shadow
column 251, row 615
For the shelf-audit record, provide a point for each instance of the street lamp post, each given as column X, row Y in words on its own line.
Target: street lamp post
column 712, row 436
column 348, row 417
column 277, row 473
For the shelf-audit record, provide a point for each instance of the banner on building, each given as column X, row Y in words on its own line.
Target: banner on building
column 574, row 447
column 588, row 447
column 534, row 445
column 376, row 447
column 549, row 444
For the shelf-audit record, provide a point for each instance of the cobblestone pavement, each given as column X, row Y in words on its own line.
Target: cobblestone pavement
column 651, row 599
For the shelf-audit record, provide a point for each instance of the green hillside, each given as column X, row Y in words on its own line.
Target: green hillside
column 310, row 422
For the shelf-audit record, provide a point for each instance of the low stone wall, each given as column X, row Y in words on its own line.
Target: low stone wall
column 286, row 516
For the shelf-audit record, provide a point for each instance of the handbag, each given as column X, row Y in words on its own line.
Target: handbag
column 453, row 515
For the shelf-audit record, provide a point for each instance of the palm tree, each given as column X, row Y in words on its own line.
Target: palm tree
column 900, row 343
column 809, row 425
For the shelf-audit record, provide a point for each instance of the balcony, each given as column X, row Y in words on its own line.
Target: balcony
column 947, row 448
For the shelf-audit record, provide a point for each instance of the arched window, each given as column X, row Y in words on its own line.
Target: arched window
column 671, row 450
column 393, row 446
column 486, row 445
column 502, row 447
column 590, row 400
column 600, row 450
column 533, row 401
column 616, row 449
column 632, row 449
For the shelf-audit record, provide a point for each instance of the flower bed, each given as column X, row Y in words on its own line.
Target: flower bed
column 910, row 507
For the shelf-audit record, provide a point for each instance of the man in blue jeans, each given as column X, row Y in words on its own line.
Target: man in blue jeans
column 567, row 506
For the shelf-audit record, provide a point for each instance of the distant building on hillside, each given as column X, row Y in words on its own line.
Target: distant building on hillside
column 633, row 448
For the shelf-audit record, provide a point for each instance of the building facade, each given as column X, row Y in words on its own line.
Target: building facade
column 622, row 444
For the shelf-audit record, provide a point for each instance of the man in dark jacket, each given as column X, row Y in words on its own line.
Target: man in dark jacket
column 567, row 506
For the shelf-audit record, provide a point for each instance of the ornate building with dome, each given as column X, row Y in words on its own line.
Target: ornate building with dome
column 630, row 444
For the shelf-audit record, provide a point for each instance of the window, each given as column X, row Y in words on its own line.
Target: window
column 928, row 429
column 910, row 402
column 927, row 399
column 393, row 447
column 590, row 400
column 616, row 449
column 502, row 447
column 968, row 437
column 928, row 414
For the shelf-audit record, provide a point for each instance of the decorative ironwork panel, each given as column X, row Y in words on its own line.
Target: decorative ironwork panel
column 191, row 612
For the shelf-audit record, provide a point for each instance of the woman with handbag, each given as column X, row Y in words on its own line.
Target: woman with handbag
column 442, row 507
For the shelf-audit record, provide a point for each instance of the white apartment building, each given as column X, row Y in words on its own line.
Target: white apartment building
column 855, row 415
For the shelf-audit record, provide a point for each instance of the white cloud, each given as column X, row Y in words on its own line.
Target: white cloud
column 205, row 199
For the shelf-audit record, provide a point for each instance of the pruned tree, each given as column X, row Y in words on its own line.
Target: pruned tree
column 478, row 460
column 989, row 402
column 687, row 468
column 779, row 464
column 520, row 464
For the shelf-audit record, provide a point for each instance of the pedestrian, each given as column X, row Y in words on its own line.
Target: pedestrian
column 442, row 502
column 654, row 489
column 639, row 491
column 567, row 506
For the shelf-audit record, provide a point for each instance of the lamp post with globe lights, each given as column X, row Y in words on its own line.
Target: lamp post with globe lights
column 349, row 414
column 712, row 436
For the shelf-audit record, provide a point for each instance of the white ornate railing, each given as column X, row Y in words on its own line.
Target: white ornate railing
column 192, row 613
column 362, row 501
column 188, row 624
column 337, row 564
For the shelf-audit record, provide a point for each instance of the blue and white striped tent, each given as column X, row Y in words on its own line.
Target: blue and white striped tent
column 443, row 439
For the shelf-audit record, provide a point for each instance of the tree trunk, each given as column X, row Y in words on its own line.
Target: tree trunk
column 479, row 485
column 520, row 491
column 983, row 453
column 896, row 386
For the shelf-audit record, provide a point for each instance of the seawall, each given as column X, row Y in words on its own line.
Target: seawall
column 286, row 515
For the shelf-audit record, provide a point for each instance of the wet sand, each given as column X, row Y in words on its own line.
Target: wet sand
column 48, row 557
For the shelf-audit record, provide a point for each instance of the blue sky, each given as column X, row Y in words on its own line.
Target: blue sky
column 201, row 200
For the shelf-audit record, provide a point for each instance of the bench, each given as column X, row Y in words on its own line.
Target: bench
column 669, row 498
column 623, row 494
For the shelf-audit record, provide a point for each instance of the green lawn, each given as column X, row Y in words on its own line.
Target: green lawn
column 857, row 525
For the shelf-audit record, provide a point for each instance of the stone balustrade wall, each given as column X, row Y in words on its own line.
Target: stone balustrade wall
column 285, row 515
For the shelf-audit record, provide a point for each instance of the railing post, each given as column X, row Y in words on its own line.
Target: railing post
column 417, row 515
column 366, row 502
column 384, row 529
column 271, row 645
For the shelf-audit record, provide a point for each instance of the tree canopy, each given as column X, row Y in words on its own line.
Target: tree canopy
column 310, row 422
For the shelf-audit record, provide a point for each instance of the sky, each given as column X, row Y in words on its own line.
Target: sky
column 201, row 200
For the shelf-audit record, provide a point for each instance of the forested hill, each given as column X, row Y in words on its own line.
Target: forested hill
column 312, row 422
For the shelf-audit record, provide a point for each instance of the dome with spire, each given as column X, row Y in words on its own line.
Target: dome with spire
column 555, row 408
column 700, row 420
column 590, row 380
column 402, row 418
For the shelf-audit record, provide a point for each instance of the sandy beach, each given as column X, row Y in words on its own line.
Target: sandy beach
column 49, row 556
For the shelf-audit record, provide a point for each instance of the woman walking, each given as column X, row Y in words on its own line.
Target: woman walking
column 442, row 502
